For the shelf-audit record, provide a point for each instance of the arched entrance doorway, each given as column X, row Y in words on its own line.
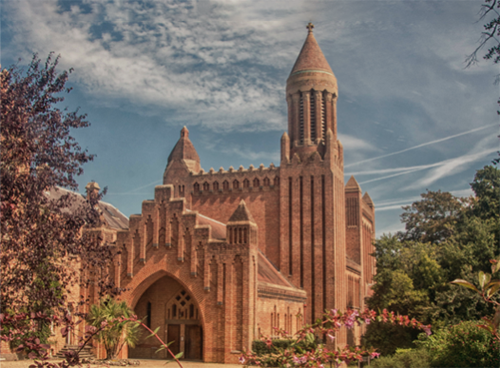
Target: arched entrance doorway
column 168, row 305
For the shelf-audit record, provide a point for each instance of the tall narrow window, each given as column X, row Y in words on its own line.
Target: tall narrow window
column 312, row 105
column 301, row 120
column 323, row 118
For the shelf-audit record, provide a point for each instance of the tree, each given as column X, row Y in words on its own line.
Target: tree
column 432, row 218
column 486, row 186
column 117, row 330
column 445, row 238
column 43, row 247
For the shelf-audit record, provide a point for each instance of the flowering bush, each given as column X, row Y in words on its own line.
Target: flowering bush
column 319, row 354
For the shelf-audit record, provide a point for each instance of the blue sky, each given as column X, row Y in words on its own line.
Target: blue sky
column 411, row 117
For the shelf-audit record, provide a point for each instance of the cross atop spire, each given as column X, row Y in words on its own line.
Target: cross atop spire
column 310, row 27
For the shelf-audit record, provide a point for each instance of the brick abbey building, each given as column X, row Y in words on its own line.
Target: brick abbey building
column 220, row 257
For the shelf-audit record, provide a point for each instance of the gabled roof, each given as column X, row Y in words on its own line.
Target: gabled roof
column 311, row 57
column 268, row 273
column 241, row 214
column 352, row 184
column 113, row 217
column 368, row 199
column 218, row 228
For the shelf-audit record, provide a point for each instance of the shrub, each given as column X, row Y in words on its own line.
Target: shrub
column 260, row 347
column 463, row 345
column 386, row 338
column 404, row 358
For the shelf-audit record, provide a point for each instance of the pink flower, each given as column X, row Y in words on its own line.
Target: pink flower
column 374, row 355
column 241, row 360
column 331, row 337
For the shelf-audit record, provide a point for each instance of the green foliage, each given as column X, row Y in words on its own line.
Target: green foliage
column 431, row 219
column 463, row 345
column 117, row 333
column 260, row 347
column 388, row 338
column 445, row 238
column 403, row 358
column 486, row 186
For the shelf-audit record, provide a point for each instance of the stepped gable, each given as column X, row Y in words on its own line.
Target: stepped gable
column 241, row 214
column 311, row 57
column 184, row 151
column 352, row 185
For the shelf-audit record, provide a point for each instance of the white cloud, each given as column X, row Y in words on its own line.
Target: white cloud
column 355, row 144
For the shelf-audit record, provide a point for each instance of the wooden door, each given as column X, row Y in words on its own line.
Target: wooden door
column 174, row 334
column 194, row 342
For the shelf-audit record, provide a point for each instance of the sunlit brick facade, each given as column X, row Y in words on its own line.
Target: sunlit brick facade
column 220, row 257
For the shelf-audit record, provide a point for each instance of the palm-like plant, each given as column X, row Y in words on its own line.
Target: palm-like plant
column 117, row 331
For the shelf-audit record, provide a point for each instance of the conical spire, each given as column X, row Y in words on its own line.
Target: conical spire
column 311, row 57
column 241, row 214
column 184, row 150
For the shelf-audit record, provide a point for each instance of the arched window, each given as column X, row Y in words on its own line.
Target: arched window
column 216, row 185
column 266, row 181
column 225, row 185
column 276, row 181
column 236, row 184
column 206, row 186
column 256, row 183
column 246, row 183
column 182, row 307
column 196, row 187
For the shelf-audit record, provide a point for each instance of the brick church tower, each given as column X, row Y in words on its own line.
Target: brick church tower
column 219, row 258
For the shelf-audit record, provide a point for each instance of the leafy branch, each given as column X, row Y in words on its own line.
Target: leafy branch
column 487, row 289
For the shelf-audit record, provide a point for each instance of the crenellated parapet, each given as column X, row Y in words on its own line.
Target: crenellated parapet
column 241, row 180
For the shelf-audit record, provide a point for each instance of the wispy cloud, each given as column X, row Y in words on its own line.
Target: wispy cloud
column 449, row 167
column 424, row 144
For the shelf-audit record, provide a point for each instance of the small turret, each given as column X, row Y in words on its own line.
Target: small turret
column 352, row 185
column 368, row 200
column 241, row 227
column 182, row 160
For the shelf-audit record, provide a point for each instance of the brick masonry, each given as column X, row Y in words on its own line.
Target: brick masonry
column 219, row 258
column 257, row 248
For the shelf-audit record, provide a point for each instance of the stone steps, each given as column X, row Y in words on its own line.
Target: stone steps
column 85, row 353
